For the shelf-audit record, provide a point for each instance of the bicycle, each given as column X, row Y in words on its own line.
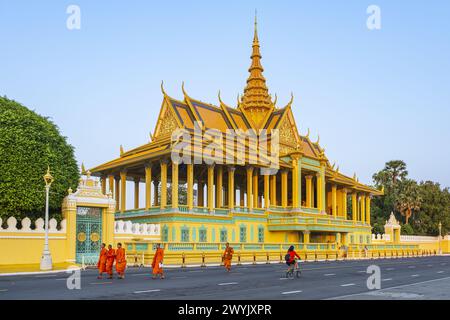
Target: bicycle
column 294, row 270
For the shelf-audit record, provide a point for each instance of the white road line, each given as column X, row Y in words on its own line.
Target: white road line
column 292, row 292
column 390, row 269
column 61, row 279
column 347, row 285
column 440, row 272
column 227, row 284
column 362, row 271
column 147, row 291
column 389, row 288
column 329, row 274
column 415, row 275
column 46, row 276
column 283, row 278
column 3, row 290
column 388, row 279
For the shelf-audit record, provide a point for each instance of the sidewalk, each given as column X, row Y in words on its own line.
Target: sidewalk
column 29, row 269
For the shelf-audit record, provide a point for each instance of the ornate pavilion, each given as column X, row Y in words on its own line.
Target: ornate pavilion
column 306, row 201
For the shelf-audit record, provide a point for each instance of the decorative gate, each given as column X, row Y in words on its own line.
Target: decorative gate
column 89, row 235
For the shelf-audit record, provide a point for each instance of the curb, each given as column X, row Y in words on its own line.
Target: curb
column 38, row 272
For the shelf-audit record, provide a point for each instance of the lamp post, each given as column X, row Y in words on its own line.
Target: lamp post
column 46, row 259
column 440, row 231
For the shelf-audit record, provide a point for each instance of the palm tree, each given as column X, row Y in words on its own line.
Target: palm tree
column 408, row 199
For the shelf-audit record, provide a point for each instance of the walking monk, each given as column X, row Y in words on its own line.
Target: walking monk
column 101, row 265
column 227, row 257
column 110, row 256
column 121, row 261
column 157, row 262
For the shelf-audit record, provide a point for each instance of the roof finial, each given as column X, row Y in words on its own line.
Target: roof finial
column 256, row 25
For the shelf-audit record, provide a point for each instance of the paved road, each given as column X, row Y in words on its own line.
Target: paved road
column 319, row 280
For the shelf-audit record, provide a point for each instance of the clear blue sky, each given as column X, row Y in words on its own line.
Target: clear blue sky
column 372, row 96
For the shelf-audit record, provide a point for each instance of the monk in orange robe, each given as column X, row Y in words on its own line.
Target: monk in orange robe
column 121, row 261
column 227, row 257
column 157, row 262
column 110, row 256
column 101, row 265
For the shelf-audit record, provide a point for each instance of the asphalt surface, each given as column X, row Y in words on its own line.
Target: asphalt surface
column 400, row 279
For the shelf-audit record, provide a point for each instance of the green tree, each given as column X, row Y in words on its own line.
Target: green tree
column 435, row 208
column 408, row 199
column 28, row 144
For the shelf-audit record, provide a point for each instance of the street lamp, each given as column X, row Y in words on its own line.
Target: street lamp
column 440, row 232
column 46, row 259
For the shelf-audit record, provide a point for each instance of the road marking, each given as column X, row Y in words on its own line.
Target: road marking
column 61, row 279
column 46, row 276
column 227, row 284
column 390, row 269
column 3, row 290
column 193, row 271
column 329, row 274
column 347, row 285
column 147, row 291
column 283, row 278
column 388, row 279
column 292, row 292
column 362, row 271
column 440, row 272
column 415, row 275
column 100, row 283
column 429, row 265
column 389, row 288
column 179, row 277
column 411, row 267
column 139, row 274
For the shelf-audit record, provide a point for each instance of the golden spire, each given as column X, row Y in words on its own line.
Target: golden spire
column 256, row 98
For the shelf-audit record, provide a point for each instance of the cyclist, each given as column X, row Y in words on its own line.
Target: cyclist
column 291, row 260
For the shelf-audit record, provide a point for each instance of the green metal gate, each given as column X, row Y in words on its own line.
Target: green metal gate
column 89, row 235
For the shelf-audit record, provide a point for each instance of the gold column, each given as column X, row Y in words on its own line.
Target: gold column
column 117, row 192
column 249, row 188
column 295, row 199
column 103, row 182
column 313, row 205
column 231, row 191
column 123, row 191
column 319, row 191
column 255, row 189
column 333, row 200
column 190, row 186
column 266, row 191
column 363, row 208
column 284, row 188
column 306, row 235
column 368, row 209
column 219, row 187
column 201, row 193
column 155, row 193
column 163, row 164
column 273, row 190
column 136, row 193
column 111, row 184
column 211, row 188
column 354, row 206
column 308, row 191
column 344, row 203
column 148, row 186
column 175, row 185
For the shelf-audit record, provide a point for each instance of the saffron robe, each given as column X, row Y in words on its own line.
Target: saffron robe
column 110, row 256
column 157, row 259
column 121, row 261
column 227, row 257
column 101, row 264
